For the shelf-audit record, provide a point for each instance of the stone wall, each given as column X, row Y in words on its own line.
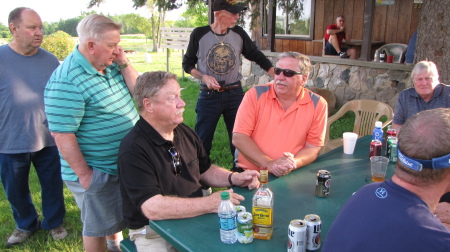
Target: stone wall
column 347, row 79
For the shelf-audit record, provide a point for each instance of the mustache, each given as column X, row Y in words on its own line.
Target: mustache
column 180, row 111
column 279, row 82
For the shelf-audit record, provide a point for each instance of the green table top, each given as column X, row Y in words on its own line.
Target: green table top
column 293, row 199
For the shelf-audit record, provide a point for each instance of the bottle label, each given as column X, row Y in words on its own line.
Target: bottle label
column 262, row 216
column 228, row 224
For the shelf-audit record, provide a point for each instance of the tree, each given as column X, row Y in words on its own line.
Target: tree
column 4, row 31
column 194, row 16
column 432, row 36
column 59, row 43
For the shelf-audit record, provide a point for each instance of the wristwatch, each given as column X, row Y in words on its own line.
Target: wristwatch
column 124, row 65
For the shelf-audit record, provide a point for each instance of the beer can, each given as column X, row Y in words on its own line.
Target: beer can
column 389, row 141
column 393, row 152
column 375, row 148
column 323, row 182
column 313, row 229
column 245, row 227
column 297, row 236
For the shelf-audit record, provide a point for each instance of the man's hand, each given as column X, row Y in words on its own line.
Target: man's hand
column 442, row 212
column 247, row 178
column 85, row 179
column 282, row 165
column 210, row 82
column 121, row 57
column 234, row 197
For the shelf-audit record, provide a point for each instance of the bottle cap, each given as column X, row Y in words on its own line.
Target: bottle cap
column 224, row 195
column 378, row 124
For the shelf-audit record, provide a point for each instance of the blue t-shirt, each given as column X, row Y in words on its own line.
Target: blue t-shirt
column 96, row 107
column 410, row 103
column 23, row 125
column 386, row 217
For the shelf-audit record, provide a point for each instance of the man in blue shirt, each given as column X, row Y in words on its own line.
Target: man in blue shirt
column 399, row 214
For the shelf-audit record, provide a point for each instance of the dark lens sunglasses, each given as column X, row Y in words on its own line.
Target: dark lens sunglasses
column 175, row 160
column 286, row 72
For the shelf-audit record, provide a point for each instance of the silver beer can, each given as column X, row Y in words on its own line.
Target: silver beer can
column 313, row 230
column 297, row 236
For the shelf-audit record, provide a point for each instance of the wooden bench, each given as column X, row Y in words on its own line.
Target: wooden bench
column 175, row 38
column 127, row 245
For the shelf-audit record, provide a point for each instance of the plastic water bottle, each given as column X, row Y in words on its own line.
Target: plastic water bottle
column 377, row 133
column 227, row 219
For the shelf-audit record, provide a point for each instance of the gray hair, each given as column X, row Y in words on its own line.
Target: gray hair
column 15, row 16
column 424, row 136
column 94, row 27
column 148, row 85
column 304, row 63
column 426, row 67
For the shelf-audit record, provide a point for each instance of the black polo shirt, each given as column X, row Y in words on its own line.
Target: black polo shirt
column 146, row 168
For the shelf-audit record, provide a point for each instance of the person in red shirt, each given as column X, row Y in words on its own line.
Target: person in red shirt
column 333, row 37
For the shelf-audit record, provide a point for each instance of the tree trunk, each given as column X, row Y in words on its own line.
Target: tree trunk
column 433, row 34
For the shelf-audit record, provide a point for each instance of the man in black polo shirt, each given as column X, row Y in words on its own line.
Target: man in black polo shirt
column 162, row 164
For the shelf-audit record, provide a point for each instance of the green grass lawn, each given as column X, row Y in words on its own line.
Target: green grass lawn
column 220, row 155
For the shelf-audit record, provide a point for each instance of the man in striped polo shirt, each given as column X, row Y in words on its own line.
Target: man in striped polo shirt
column 89, row 110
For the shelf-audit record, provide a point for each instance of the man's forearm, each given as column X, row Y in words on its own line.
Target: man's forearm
column 167, row 207
column 306, row 155
column 68, row 147
column 130, row 75
column 250, row 150
column 216, row 176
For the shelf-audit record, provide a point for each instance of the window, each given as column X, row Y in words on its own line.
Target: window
column 294, row 18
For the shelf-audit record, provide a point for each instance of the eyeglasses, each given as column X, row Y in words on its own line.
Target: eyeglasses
column 175, row 160
column 286, row 72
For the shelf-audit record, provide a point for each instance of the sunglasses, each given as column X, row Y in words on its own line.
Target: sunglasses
column 175, row 160
column 286, row 72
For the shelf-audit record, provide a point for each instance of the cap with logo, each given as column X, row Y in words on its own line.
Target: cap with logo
column 229, row 5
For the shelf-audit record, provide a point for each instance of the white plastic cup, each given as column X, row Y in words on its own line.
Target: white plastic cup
column 349, row 142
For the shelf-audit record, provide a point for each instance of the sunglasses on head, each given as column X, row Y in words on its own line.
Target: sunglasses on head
column 175, row 160
column 286, row 72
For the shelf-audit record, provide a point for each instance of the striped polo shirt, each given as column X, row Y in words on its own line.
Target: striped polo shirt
column 97, row 108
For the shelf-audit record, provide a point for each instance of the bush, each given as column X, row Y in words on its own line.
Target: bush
column 59, row 43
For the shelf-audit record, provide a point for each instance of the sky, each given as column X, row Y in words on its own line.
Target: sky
column 54, row 10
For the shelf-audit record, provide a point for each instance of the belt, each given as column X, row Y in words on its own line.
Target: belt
column 228, row 87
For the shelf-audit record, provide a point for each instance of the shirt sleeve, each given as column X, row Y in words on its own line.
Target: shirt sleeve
column 246, row 116
column 252, row 53
column 316, row 134
column 190, row 57
column 399, row 112
column 64, row 105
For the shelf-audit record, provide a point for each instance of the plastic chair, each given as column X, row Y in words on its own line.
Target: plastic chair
column 394, row 49
column 367, row 112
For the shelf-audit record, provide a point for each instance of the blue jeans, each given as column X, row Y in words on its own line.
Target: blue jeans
column 15, row 171
column 212, row 105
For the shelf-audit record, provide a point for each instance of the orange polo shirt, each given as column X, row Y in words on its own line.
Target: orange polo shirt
column 275, row 130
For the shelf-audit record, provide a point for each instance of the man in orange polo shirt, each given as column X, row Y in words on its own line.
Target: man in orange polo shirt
column 281, row 125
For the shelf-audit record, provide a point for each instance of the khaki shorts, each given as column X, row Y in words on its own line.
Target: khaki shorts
column 147, row 240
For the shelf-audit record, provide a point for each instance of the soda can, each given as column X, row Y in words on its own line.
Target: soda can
column 389, row 141
column 375, row 148
column 297, row 236
column 313, row 229
column 393, row 152
column 323, row 182
column 245, row 227
column 240, row 208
